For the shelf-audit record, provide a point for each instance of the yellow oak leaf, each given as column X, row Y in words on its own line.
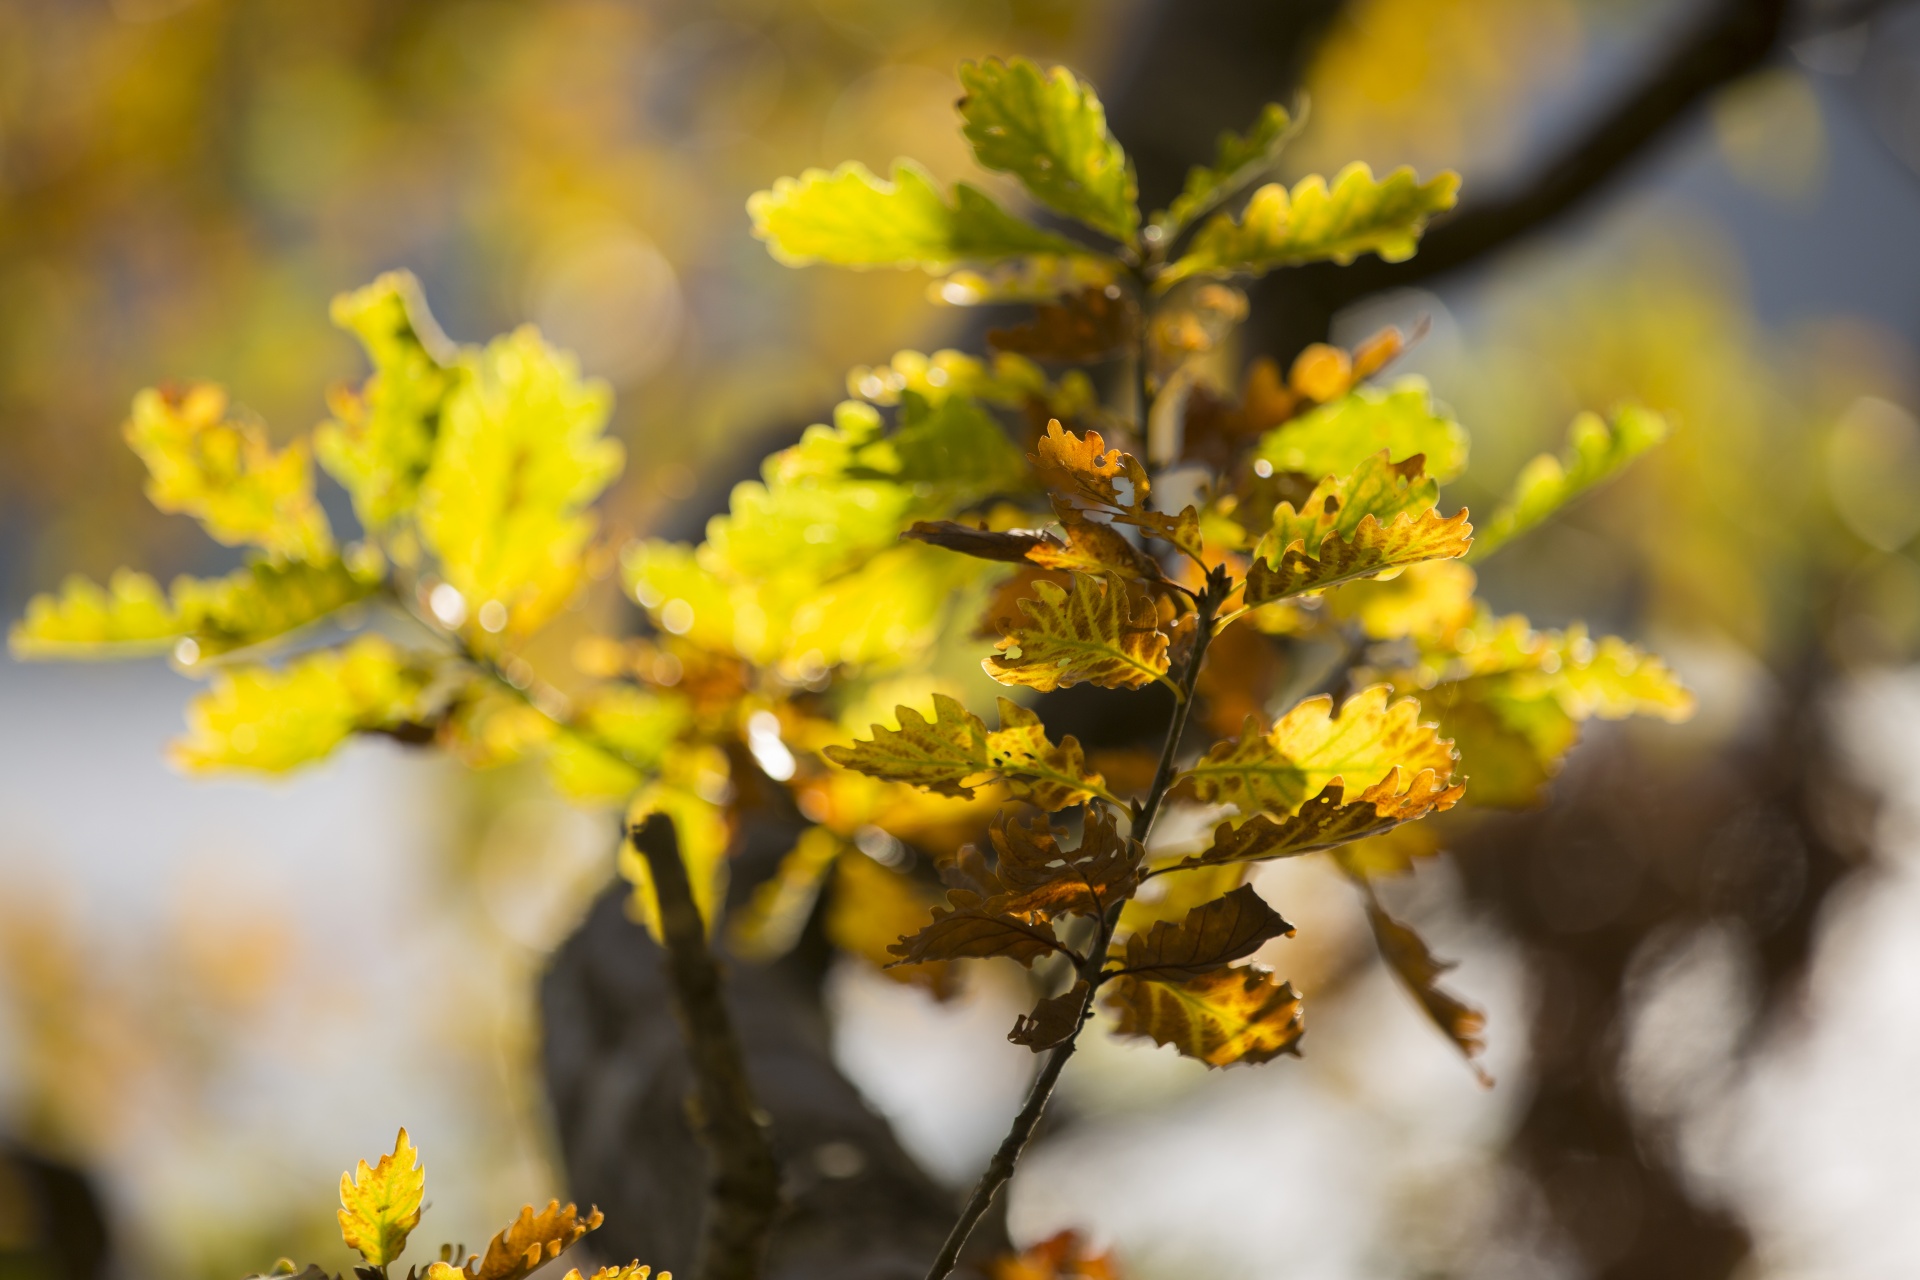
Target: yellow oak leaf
column 1223, row 1016
column 1083, row 471
column 1327, row 820
column 1211, row 935
column 1431, row 599
column 1047, row 128
column 380, row 1204
column 629, row 1271
column 531, row 1240
column 939, row 754
column 870, row 908
column 1092, row 633
column 1052, row 777
column 1310, row 747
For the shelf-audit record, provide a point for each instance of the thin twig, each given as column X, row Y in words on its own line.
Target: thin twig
column 745, row 1193
column 1000, row 1169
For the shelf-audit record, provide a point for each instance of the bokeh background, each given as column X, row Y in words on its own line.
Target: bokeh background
column 1700, row 962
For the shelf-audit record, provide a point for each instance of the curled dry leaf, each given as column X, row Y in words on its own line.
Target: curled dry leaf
column 1409, row 958
column 1053, row 1020
column 531, row 1239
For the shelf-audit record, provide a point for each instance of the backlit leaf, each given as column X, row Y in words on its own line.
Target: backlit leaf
column 1035, row 875
column 1335, row 438
column 616, row 737
column 1036, row 770
column 1431, row 599
column 1227, row 1015
column 1313, row 222
column 1597, row 450
column 1226, row 929
column 868, row 911
column 1407, row 955
column 1093, row 632
column 1378, row 518
column 627, row 1271
column 380, row 1204
column 531, row 1240
column 520, row 456
column 225, row 474
column 380, row 440
column 971, row 927
column 1053, row 1021
column 1310, row 747
column 938, row 754
column 130, row 615
column 1048, row 129
column 1325, row 822
column 853, row 218
column 272, row 720
column 772, row 920
column 1237, row 162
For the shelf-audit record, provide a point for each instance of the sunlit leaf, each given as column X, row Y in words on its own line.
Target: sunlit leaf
column 1036, row 770
column 1053, row 1020
column 769, row 925
column 1227, row 1015
column 1337, row 437
column 1310, row 747
column 1313, row 222
column 870, row 908
column 1226, row 929
column 1035, row 875
column 616, row 737
column 938, row 754
column 1093, row 632
column 1048, row 129
column 271, row 720
column 1326, row 821
column 973, row 927
column 519, row 457
column 1597, row 450
column 531, row 1240
column 1238, row 161
column 224, row 473
column 852, row 218
column 380, row 1204
column 626, row 1271
column 380, row 440
column 1083, row 471
column 1431, row 599
column 1378, row 518
column 1407, row 955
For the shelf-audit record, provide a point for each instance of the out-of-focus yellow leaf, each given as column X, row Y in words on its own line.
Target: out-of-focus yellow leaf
column 519, row 457
column 1313, row 222
column 853, row 218
column 1310, row 747
column 1048, row 129
column 870, row 908
column 1407, row 955
column 1392, row 853
column 1335, row 438
column 1213, row 934
column 701, row 825
column 272, row 720
column 1237, row 162
column 380, row 1204
column 224, row 474
column 1227, row 1015
column 489, row 727
column 1432, row 598
column 1093, row 633
column 1325, row 822
column 380, row 440
column 616, row 737
column 1063, row 1256
column 1597, row 450
column 771, row 922
column 627, row 1271
column 1379, row 518
column 531, row 1240
column 1053, row 1020
column 1008, row 380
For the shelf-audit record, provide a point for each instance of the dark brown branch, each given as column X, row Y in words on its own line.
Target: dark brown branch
column 1733, row 38
column 746, row 1181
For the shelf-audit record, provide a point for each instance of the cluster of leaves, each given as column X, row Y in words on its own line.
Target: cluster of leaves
column 380, row 1206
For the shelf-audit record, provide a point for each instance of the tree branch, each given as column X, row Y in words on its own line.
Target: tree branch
column 746, row 1180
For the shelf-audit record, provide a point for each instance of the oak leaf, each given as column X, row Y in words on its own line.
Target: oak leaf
column 628, row 1271
column 1092, row 632
column 1034, row 875
column 1053, row 1020
column 1049, row 776
column 380, row 1204
column 1597, row 450
column 969, row 927
column 1223, row 1016
column 1327, row 821
column 1238, row 162
column 939, row 754
column 531, row 1240
column 1310, row 747
column 1338, row 436
column 1048, row 129
column 1407, row 955
column 1214, row 934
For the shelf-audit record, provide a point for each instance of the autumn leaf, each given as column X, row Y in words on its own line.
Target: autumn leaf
column 379, row 442
column 939, row 755
column 1048, row 129
column 1091, row 324
column 1226, row 929
column 1237, row 162
column 629, row 1271
column 973, row 927
column 1062, row 1256
column 1597, row 450
column 1034, row 875
column 224, row 473
column 1091, row 546
column 1313, row 222
column 853, row 218
column 1327, row 821
column 380, row 1204
column 1223, row 1016
column 770, row 923
column 1085, row 472
column 1431, row 600
column 868, row 910
column 1339, row 436
column 1053, row 1021
column 1092, row 632
column 1407, row 955
column 1379, row 518
column 521, row 453
column 531, row 1240
column 1049, row 776
column 272, row 720
column 617, row 736
column 1310, row 747
column 1170, row 897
